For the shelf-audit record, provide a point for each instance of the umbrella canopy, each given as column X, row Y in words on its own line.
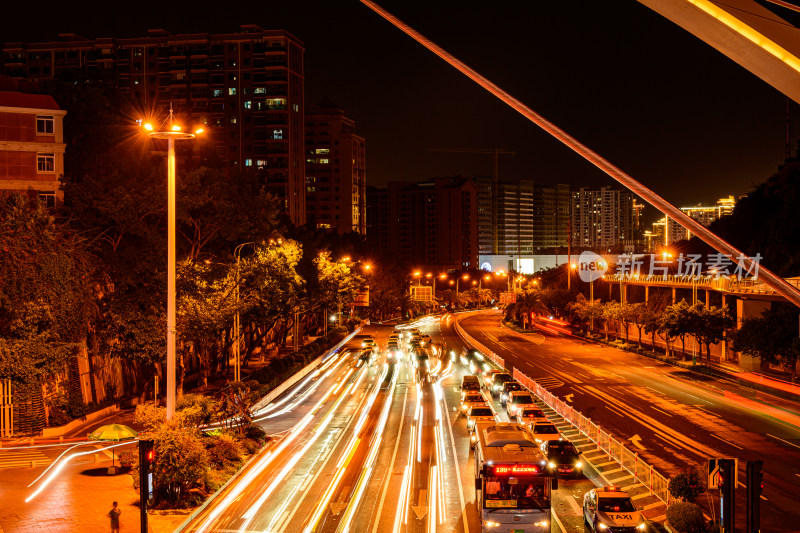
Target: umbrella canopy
column 113, row 432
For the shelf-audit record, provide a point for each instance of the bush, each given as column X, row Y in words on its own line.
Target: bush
column 250, row 446
column 686, row 517
column 224, row 450
column 181, row 460
column 57, row 418
column 214, row 480
column 150, row 416
column 686, row 486
column 196, row 409
column 129, row 457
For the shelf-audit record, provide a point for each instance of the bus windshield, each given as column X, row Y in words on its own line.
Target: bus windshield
column 525, row 492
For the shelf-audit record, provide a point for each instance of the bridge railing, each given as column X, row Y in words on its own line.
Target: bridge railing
column 479, row 346
column 629, row 460
column 717, row 283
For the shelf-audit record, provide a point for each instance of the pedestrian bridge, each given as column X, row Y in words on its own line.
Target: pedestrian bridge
column 751, row 288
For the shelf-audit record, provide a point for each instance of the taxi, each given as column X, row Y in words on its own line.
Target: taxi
column 610, row 509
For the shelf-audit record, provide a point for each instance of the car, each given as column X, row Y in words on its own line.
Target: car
column 507, row 388
column 365, row 357
column 475, row 414
column 528, row 414
column 471, row 398
column 543, row 431
column 470, row 383
column 562, row 457
column 369, row 342
column 518, row 399
column 610, row 509
column 498, row 380
column 488, row 377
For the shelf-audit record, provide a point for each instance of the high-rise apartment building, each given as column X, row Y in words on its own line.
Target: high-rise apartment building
column 604, row 219
column 514, row 218
column 666, row 230
column 336, row 184
column 31, row 146
column 427, row 224
column 246, row 87
column 551, row 207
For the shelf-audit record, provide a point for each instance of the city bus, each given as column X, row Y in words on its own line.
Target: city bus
column 512, row 482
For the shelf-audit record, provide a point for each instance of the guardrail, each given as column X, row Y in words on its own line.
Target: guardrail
column 727, row 284
column 629, row 460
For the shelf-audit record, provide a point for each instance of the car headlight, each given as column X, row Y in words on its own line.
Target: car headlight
column 489, row 523
column 601, row 526
column 543, row 523
column 551, row 465
column 641, row 526
column 578, row 465
column 473, row 438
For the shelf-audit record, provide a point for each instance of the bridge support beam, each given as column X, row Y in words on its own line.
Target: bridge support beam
column 749, row 309
column 646, row 293
column 673, row 294
column 708, row 298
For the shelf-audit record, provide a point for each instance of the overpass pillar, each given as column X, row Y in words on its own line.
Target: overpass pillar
column 749, row 309
column 646, row 293
column 673, row 294
column 708, row 298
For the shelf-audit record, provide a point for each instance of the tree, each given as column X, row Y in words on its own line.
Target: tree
column 771, row 337
column 686, row 486
column 638, row 315
column 611, row 313
column 709, row 324
column 676, row 322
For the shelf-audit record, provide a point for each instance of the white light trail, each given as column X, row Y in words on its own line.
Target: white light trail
column 49, row 479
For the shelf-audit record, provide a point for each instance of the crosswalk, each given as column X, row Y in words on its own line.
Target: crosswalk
column 22, row 458
column 549, row 382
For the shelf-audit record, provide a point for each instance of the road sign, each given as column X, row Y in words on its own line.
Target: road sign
column 713, row 472
column 508, row 297
column 422, row 293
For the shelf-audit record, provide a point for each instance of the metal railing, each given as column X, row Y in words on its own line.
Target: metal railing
column 629, row 460
column 717, row 283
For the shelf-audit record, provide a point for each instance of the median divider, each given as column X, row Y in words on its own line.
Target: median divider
column 630, row 461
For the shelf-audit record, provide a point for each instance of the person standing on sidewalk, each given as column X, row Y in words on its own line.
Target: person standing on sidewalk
column 113, row 514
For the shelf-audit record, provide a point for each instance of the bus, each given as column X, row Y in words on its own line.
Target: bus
column 512, row 482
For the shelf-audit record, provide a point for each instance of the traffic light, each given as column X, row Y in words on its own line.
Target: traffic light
column 147, row 456
column 727, row 492
column 755, row 486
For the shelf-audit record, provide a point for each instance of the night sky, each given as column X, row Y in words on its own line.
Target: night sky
column 650, row 97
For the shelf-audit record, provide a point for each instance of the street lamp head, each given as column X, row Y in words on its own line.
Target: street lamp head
column 368, row 266
column 452, row 282
column 198, row 131
column 573, row 266
column 416, row 274
column 175, row 127
column 465, row 276
column 428, row 275
column 148, row 127
column 442, row 276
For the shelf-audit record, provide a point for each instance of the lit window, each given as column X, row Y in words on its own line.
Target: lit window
column 44, row 124
column 324, row 161
column 248, row 162
column 277, row 134
column 248, row 104
column 261, row 163
column 296, row 107
column 260, row 90
column 323, row 150
column 231, row 91
column 311, row 189
column 46, row 162
column 233, row 120
column 216, row 93
column 276, row 103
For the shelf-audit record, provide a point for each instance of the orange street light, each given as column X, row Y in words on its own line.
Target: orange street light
column 171, row 134
column 442, row 276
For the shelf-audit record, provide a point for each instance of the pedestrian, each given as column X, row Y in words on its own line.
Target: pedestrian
column 113, row 514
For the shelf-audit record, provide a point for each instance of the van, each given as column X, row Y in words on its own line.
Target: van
column 470, row 383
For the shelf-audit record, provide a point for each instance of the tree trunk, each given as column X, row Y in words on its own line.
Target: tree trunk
column 180, row 374
column 91, row 351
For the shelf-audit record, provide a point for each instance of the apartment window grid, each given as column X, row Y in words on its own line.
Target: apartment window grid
column 46, row 163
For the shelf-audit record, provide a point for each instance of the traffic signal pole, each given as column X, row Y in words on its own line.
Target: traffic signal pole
column 755, row 486
column 145, row 488
column 727, row 493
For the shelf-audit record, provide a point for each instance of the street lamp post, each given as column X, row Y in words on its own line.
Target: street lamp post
column 172, row 134
column 237, row 376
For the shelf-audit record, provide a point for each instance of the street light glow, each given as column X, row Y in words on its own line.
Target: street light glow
column 148, row 127
column 198, row 131
column 175, row 127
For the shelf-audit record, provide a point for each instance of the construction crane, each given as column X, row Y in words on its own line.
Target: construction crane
column 495, row 179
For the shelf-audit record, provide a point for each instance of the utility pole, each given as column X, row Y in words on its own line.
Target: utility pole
column 495, row 179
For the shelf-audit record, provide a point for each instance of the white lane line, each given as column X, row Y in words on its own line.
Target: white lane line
column 786, row 441
column 660, row 411
column 389, row 472
column 560, row 525
column 458, row 474
column 725, row 441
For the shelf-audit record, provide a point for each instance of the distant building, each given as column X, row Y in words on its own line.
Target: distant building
column 426, row 224
column 665, row 231
column 551, row 208
column 604, row 220
column 246, row 87
column 31, row 146
column 336, row 183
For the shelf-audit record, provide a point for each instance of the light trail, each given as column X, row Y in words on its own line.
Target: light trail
column 53, row 464
column 63, row 464
column 289, row 466
column 778, row 284
column 432, row 497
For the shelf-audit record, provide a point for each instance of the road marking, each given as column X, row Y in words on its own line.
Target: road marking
column 636, row 440
column 391, row 463
column 660, row 411
column 725, row 441
column 560, row 525
column 567, row 398
column 419, row 509
column 458, row 473
column 786, row 441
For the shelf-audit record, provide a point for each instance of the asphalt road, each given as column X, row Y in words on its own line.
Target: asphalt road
column 673, row 418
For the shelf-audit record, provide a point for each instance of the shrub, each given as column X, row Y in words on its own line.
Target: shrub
column 224, row 450
column 256, row 433
column 196, row 409
column 686, row 486
column 57, row 418
column 250, row 446
column 214, row 480
column 150, row 416
column 181, row 460
column 129, row 457
column 686, row 517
